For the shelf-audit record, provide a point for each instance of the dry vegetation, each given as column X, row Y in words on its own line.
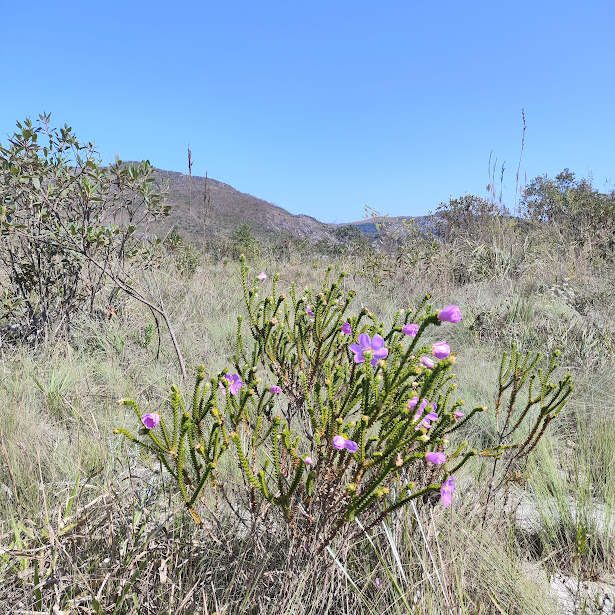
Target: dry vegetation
column 91, row 524
column 87, row 527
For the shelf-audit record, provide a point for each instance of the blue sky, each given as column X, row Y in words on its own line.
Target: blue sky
column 325, row 107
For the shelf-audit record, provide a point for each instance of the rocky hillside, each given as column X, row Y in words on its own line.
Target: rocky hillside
column 203, row 208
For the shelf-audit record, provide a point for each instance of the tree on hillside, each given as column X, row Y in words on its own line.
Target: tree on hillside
column 468, row 217
column 582, row 213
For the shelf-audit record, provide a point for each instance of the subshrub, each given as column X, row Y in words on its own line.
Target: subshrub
column 330, row 416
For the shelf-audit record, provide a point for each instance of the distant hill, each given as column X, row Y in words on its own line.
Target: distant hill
column 216, row 209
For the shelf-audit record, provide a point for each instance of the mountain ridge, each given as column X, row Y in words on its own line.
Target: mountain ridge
column 204, row 208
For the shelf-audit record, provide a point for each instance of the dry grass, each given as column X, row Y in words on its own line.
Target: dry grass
column 87, row 527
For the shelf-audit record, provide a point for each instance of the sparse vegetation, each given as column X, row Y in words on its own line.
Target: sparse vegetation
column 86, row 517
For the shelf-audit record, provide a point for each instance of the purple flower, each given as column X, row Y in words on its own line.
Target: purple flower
column 308, row 461
column 151, row 420
column 436, row 458
column 309, row 311
column 262, row 276
column 351, row 446
column 346, row 328
column 458, row 415
column 410, row 330
column 234, row 383
column 421, row 408
column 339, row 442
column 426, row 422
column 378, row 582
column 275, row 389
column 441, row 350
column 427, row 362
column 446, row 491
column 450, row 313
column 375, row 346
column 412, row 403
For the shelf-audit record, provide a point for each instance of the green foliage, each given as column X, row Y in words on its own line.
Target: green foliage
column 186, row 257
column 520, row 425
column 468, row 216
column 400, row 244
column 583, row 214
column 285, row 449
column 244, row 239
column 67, row 223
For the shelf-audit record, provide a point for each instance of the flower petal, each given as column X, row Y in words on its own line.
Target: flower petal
column 382, row 353
column 365, row 341
column 358, row 353
column 377, row 342
column 451, row 313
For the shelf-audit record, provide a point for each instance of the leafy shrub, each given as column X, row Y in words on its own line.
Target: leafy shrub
column 68, row 224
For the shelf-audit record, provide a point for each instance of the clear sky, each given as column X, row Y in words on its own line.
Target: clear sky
column 323, row 107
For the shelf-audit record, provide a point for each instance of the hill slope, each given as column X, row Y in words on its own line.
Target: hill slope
column 203, row 208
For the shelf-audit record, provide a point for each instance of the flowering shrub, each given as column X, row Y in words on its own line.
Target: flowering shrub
column 331, row 416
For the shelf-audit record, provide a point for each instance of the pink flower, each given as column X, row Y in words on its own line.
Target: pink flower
column 426, row 422
column 351, row 446
column 275, row 389
column 446, row 491
column 308, row 461
column 441, row 350
column 427, row 362
column 346, row 328
column 410, row 330
column 234, row 383
column 375, row 346
column 151, row 420
column 262, row 276
column 436, row 458
column 450, row 313
column 421, row 408
column 339, row 442
column 378, row 582
column 458, row 415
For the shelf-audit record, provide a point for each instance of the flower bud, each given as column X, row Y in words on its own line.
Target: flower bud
column 435, row 457
column 151, row 420
column 441, row 350
column 450, row 313
column 410, row 330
